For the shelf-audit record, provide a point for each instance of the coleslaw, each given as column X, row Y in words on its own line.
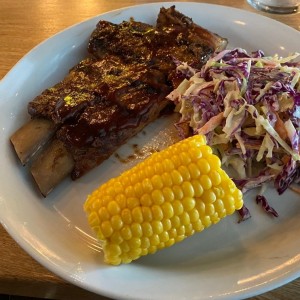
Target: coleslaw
column 248, row 106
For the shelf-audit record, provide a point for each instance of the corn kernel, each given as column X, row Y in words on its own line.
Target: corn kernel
column 185, row 218
column 145, row 243
column 173, row 233
column 209, row 209
column 136, row 230
column 126, row 216
column 215, row 218
column 176, row 160
column 166, row 179
column 178, row 193
column 149, row 171
column 106, row 229
column 126, row 233
column 129, row 191
column 164, row 236
column 219, row 205
column 132, row 202
column 99, row 233
column 103, row 214
column 138, row 190
column 125, row 180
column 152, row 249
column 203, row 165
column 96, row 205
column 175, row 220
column 198, row 226
column 125, row 247
column 147, row 185
column 178, row 207
column 194, row 170
column 147, row 213
column 116, row 238
column 157, row 182
column 185, row 174
column 222, row 213
column 200, row 206
column 198, row 141
column 134, row 179
column 206, row 221
column 134, row 243
column 219, row 192
column 158, row 169
column 230, row 209
column 146, row 200
column 118, row 188
column 168, row 210
column 209, row 196
column 198, row 189
column 215, row 177
column 157, row 197
column 179, row 238
column 113, row 249
column 116, row 222
column 154, row 240
column 167, row 198
column 137, row 214
column 147, row 229
column 214, row 161
column 113, row 208
column 188, row 189
column 157, row 227
column 170, row 242
column 168, row 165
column 181, row 231
column 106, row 199
column 157, row 212
column 206, row 151
column 121, row 200
column 110, row 192
column 205, row 182
column 168, row 194
column 184, row 157
column 166, row 224
column 229, row 202
column 188, row 203
column 189, row 230
column 195, row 153
column 194, row 215
column 176, row 177
column 94, row 219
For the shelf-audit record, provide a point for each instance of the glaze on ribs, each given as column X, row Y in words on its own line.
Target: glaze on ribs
column 113, row 94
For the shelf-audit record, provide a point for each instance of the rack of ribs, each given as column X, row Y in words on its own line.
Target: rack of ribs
column 109, row 96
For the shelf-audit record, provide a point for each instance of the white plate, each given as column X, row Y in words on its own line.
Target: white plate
column 227, row 261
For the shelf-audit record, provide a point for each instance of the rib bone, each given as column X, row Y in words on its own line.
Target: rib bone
column 31, row 137
column 52, row 166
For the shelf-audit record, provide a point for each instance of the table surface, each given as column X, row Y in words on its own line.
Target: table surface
column 23, row 25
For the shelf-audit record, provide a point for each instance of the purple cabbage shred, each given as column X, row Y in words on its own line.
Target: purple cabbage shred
column 260, row 199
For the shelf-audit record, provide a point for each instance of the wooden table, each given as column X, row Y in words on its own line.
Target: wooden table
column 23, row 25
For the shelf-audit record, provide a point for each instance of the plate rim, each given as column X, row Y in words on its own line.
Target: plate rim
column 30, row 249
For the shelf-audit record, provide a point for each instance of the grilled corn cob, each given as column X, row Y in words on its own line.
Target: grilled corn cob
column 164, row 199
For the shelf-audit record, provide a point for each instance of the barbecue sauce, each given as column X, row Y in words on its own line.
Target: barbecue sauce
column 121, row 87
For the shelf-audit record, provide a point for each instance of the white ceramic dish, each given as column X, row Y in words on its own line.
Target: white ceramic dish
column 227, row 261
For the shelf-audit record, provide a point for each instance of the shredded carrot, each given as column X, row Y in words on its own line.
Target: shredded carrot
column 280, row 128
column 211, row 124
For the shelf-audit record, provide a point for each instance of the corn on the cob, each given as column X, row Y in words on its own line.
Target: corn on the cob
column 161, row 201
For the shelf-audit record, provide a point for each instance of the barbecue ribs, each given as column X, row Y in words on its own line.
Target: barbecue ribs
column 111, row 95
